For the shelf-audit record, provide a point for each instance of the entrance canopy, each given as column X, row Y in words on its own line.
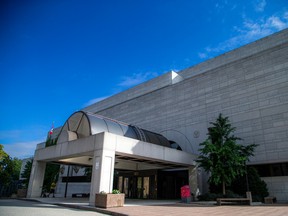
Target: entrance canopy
column 106, row 145
column 78, row 141
column 83, row 124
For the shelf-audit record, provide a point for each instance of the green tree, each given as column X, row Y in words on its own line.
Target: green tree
column 9, row 168
column 26, row 173
column 257, row 186
column 2, row 152
column 221, row 155
column 16, row 164
column 51, row 175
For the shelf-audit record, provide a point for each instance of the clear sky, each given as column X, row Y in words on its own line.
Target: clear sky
column 58, row 56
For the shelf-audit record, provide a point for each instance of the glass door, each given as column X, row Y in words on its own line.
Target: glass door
column 126, row 187
column 146, row 185
column 139, row 188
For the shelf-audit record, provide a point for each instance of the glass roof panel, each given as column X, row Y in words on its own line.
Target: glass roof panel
column 114, row 127
column 74, row 121
column 97, row 125
column 128, row 131
column 83, row 128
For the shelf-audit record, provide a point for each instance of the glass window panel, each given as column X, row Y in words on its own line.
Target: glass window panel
column 285, row 169
column 97, row 125
column 114, row 127
column 146, row 187
column 276, row 169
column 84, row 128
column 120, row 183
column 74, row 121
column 128, row 131
column 126, row 184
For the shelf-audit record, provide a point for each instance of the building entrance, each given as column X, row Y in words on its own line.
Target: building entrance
column 152, row 184
column 137, row 185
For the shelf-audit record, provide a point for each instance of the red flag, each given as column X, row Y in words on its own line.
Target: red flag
column 52, row 128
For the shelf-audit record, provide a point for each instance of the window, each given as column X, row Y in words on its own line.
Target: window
column 270, row 170
column 175, row 145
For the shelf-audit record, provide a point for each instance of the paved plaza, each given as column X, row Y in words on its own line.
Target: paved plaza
column 181, row 210
column 174, row 207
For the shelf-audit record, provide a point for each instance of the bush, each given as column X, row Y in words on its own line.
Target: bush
column 115, row 191
column 208, row 197
column 257, row 186
column 214, row 196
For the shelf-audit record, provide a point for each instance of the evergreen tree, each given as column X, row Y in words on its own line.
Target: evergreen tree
column 221, row 155
column 26, row 173
column 257, row 186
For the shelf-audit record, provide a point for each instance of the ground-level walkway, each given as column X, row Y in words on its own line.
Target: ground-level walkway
column 172, row 207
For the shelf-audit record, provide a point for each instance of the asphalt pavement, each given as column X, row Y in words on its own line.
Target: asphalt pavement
column 14, row 207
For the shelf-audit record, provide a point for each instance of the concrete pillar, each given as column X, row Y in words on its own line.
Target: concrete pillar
column 102, row 170
column 193, row 181
column 36, row 179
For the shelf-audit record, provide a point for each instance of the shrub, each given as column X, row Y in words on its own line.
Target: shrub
column 115, row 191
column 257, row 186
column 214, row 196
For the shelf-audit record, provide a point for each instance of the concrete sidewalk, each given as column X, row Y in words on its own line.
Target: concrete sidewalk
column 171, row 207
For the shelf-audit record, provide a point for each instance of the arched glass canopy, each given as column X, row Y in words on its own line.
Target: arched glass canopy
column 82, row 124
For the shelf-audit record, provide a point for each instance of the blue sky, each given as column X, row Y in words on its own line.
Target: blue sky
column 57, row 57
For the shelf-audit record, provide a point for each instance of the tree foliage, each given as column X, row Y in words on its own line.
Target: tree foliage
column 9, row 168
column 26, row 173
column 221, row 155
column 257, row 186
column 51, row 175
column 2, row 152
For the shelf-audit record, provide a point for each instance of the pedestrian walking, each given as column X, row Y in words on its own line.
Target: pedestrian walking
column 52, row 189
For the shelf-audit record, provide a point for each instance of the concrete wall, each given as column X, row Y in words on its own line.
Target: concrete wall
column 249, row 85
column 252, row 91
column 278, row 187
column 142, row 89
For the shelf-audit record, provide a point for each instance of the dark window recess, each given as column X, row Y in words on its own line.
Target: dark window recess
column 77, row 179
column 175, row 145
column 270, row 170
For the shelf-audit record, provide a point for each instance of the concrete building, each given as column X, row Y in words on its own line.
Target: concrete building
column 249, row 85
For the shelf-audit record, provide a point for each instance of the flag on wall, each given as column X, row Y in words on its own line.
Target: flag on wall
column 52, row 128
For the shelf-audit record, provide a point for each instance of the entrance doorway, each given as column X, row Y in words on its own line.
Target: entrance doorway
column 136, row 187
column 151, row 184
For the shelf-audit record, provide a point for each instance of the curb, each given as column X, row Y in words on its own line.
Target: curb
column 86, row 208
column 95, row 209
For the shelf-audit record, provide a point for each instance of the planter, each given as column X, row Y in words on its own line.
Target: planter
column 109, row 200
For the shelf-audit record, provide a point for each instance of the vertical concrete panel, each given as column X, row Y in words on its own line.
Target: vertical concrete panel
column 107, row 174
column 193, row 183
column 36, row 179
column 103, row 167
column 95, row 180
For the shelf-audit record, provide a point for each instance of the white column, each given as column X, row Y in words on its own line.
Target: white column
column 102, row 169
column 36, row 179
column 193, row 181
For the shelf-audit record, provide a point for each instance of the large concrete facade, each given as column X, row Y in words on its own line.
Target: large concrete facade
column 249, row 85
